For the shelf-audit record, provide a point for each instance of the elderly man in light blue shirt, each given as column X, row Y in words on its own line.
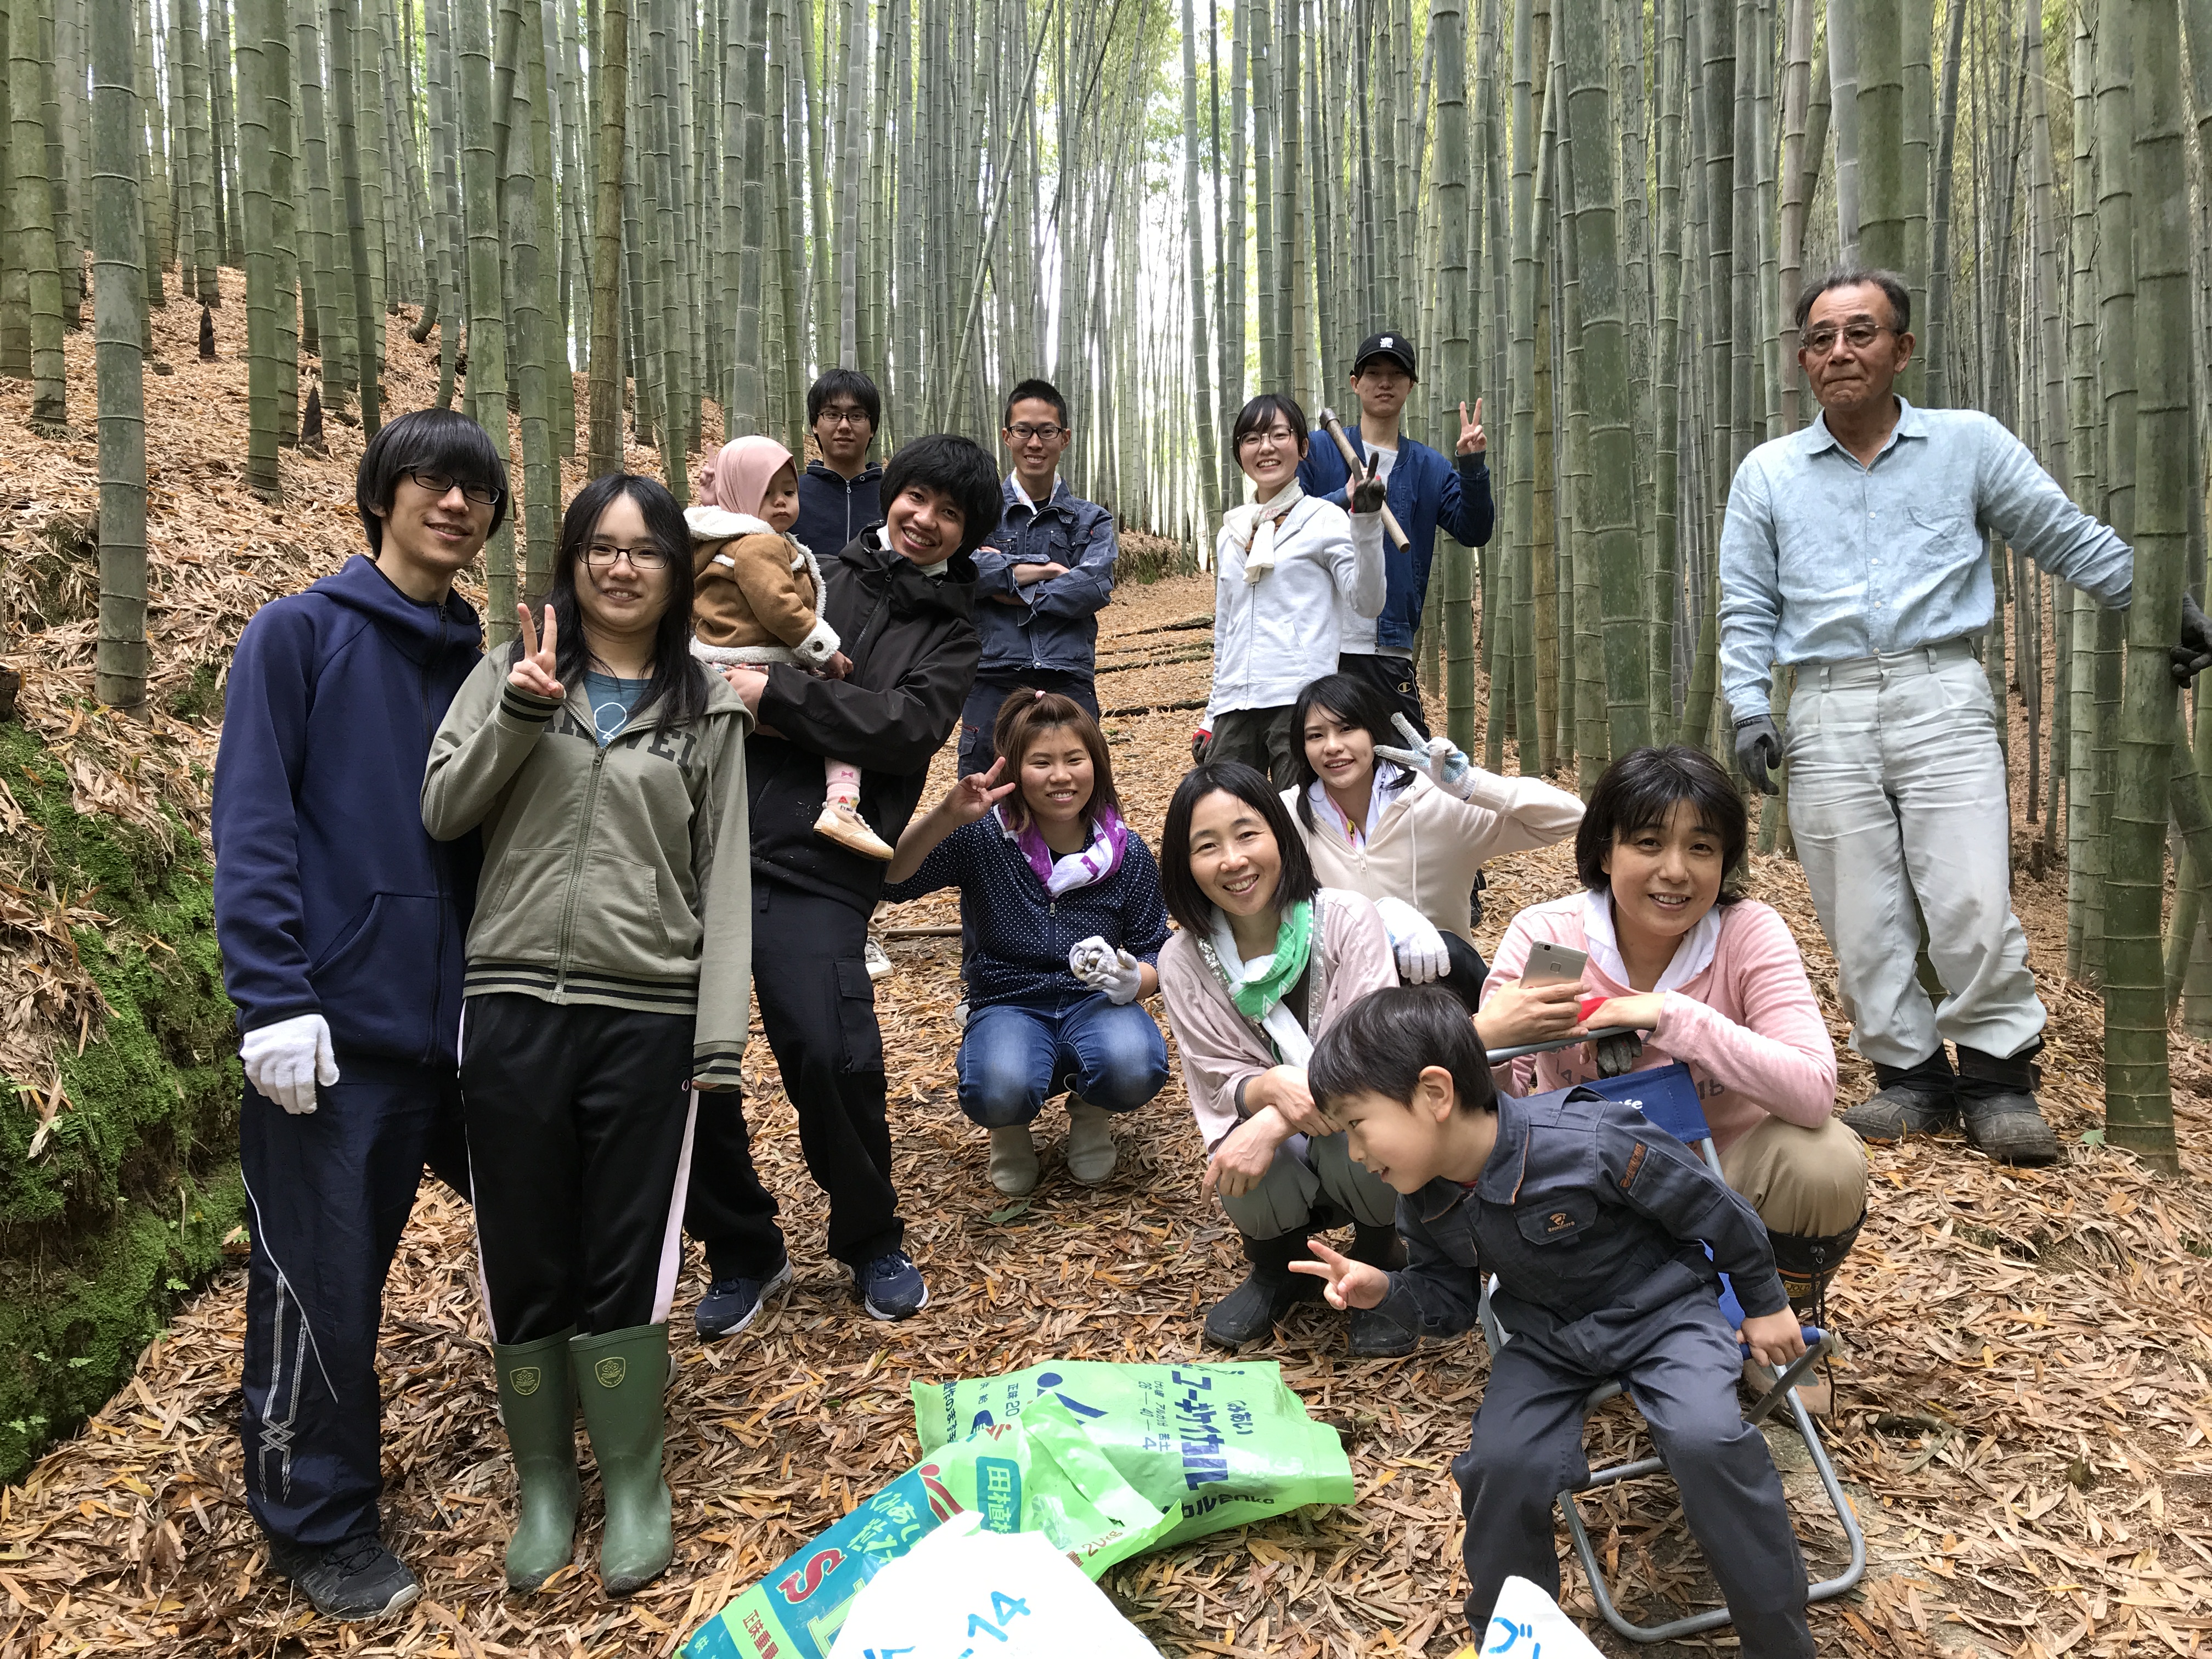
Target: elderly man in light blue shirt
column 1853, row 551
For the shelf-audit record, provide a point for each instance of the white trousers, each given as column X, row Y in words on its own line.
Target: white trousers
column 1897, row 788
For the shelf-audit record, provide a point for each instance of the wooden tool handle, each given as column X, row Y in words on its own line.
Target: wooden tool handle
column 1328, row 419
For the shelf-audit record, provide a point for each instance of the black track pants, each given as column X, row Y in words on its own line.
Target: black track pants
column 818, row 1008
column 579, row 1131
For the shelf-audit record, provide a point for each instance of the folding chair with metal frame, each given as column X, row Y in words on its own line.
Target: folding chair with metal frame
column 1668, row 1096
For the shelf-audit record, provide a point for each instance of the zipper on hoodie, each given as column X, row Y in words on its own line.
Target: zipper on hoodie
column 576, row 876
column 438, row 852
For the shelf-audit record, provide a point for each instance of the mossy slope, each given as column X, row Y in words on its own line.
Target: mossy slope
column 136, row 1186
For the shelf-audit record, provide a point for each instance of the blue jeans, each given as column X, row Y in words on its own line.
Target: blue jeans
column 1016, row 1055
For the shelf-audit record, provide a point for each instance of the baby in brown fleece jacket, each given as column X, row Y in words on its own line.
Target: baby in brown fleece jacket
column 757, row 595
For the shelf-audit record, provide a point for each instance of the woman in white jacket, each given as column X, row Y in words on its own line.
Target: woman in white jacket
column 1284, row 562
column 1410, row 830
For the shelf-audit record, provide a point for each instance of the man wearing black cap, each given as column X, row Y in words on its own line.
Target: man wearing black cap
column 1425, row 490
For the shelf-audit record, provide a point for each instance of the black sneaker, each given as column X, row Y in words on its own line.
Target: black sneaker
column 730, row 1304
column 357, row 1578
column 1376, row 1335
column 890, row 1287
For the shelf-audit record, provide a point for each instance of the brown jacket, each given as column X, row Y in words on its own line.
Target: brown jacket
column 757, row 594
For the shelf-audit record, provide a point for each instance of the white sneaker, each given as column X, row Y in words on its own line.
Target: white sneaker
column 878, row 959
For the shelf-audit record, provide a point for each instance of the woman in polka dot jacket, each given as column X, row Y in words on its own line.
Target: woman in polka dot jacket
column 1061, row 904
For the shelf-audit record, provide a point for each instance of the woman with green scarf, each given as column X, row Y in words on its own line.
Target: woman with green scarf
column 1265, row 960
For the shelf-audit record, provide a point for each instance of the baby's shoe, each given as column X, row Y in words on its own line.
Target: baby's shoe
column 842, row 822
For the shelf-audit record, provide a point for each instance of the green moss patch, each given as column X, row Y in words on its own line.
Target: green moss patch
column 125, row 1209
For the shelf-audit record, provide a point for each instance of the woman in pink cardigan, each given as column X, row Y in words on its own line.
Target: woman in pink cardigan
column 1267, row 959
column 1716, row 982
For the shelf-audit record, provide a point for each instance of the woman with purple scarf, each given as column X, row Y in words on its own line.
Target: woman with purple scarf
column 1060, row 901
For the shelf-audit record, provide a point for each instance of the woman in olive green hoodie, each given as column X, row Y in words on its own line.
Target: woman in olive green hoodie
column 608, row 965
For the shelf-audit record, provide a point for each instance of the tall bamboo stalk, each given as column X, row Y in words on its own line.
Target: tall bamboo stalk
column 119, row 660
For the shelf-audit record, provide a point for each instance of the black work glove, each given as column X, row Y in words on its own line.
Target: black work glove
column 1369, row 494
column 1758, row 749
column 2194, row 654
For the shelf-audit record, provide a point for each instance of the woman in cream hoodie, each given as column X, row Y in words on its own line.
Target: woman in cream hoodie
column 1411, row 828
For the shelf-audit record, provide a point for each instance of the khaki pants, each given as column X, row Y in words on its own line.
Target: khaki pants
column 1811, row 1182
column 1305, row 1170
column 1897, row 791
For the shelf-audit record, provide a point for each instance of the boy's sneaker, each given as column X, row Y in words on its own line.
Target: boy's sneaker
column 356, row 1578
column 890, row 1286
column 730, row 1304
column 878, row 960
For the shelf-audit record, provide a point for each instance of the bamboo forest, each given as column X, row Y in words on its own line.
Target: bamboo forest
column 1601, row 220
column 238, row 238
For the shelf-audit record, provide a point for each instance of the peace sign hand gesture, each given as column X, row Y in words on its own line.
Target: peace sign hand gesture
column 975, row 794
column 1471, row 441
column 534, row 670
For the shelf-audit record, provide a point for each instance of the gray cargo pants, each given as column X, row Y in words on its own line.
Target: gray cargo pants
column 1679, row 1360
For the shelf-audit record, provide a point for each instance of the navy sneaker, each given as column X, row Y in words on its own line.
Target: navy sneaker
column 730, row 1304
column 356, row 1578
column 890, row 1286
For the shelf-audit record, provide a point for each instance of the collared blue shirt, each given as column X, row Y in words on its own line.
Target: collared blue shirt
column 1825, row 560
column 1055, row 625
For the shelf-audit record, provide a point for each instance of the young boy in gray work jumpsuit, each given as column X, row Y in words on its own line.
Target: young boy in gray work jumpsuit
column 1592, row 1218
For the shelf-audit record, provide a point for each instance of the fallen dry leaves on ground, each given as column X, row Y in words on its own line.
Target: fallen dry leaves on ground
column 2024, row 1406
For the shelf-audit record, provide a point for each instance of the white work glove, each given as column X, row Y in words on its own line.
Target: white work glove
column 286, row 1060
column 1103, row 968
column 1415, row 941
column 1442, row 760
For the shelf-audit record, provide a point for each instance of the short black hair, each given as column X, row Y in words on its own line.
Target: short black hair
column 1186, row 900
column 1043, row 391
column 425, row 440
column 957, row 467
column 1351, row 700
column 1384, row 1041
column 1638, row 790
column 1892, row 285
column 845, row 383
column 1259, row 414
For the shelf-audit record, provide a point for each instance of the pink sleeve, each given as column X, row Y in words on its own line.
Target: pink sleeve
column 1363, row 959
column 1781, row 1055
column 1216, row 1047
column 1517, row 1077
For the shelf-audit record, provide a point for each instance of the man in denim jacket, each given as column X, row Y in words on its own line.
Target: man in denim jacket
column 1596, row 1223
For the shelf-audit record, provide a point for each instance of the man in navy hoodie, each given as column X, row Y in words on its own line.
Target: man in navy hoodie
column 1427, row 493
column 841, row 495
column 341, row 923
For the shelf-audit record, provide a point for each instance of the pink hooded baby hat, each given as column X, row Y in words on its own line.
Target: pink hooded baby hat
column 738, row 475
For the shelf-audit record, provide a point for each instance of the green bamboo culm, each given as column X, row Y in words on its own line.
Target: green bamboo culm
column 260, row 232
column 2138, row 1098
column 487, row 376
column 611, row 69
column 1455, row 300
column 119, row 321
column 1207, row 427
column 185, row 39
column 1606, row 505
column 366, row 323
column 31, row 226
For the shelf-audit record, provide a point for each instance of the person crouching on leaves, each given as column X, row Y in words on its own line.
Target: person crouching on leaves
column 1062, row 900
column 757, row 598
column 608, row 964
column 1266, row 959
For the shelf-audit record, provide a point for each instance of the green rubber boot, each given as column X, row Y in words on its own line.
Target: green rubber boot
column 537, row 1404
column 620, row 1376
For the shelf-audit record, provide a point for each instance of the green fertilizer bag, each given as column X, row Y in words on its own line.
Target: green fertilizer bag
column 1036, row 1474
column 1220, row 1445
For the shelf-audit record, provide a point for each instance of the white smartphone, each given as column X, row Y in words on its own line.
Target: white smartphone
column 1554, row 964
